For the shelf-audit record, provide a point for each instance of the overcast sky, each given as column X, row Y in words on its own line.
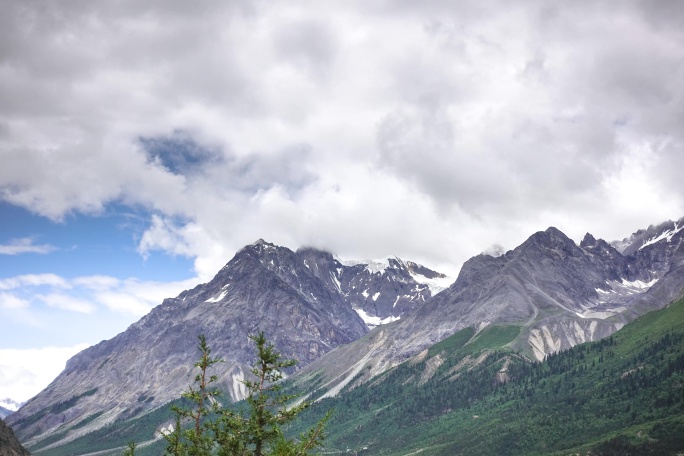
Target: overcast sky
column 143, row 143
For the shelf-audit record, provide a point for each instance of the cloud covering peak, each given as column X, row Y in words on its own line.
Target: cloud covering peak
column 423, row 129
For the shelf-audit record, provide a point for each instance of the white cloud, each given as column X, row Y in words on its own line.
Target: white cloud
column 24, row 373
column 10, row 301
column 24, row 245
column 123, row 302
column 66, row 302
column 96, row 282
column 137, row 298
column 33, row 280
column 428, row 130
column 86, row 294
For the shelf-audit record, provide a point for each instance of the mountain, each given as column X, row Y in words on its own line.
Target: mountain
column 307, row 302
column 547, row 295
column 470, row 394
column 553, row 292
column 7, row 407
column 9, row 445
column 380, row 291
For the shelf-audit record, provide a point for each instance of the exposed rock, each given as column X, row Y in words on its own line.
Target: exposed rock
column 9, row 445
column 304, row 302
column 561, row 294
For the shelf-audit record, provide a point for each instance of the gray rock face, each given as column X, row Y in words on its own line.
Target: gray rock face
column 9, row 445
column 380, row 291
column 309, row 302
column 561, row 294
column 302, row 301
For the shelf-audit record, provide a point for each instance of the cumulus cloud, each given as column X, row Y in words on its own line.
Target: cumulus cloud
column 422, row 129
column 66, row 302
column 33, row 280
column 24, row 373
column 10, row 301
column 86, row 294
column 24, row 245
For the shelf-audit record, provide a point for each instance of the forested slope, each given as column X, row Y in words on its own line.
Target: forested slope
column 621, row 395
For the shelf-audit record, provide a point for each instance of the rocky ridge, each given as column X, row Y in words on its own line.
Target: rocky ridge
column 311, row 304
column 559, row 293
column 305, row 301
column 9, row 445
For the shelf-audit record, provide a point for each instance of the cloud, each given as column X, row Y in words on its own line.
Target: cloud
column 137, row 298
column 66, row 302
column 31, row 294
column 9, row 301
column 423, row 129
column 24, row 373
column 96, row 282
column 33, row 280
column 24, row 245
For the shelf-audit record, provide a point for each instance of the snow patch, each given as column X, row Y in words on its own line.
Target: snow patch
column 619, row 291
column 372, row 321
column 375, row 296
column 436, row 284
column 336, row 281
column 219, row 297
column 639, row 284
column 377, row 266
column 664, row 235
column 365, row 293
column 372, row 266
column 238, row 389
column 166, row 430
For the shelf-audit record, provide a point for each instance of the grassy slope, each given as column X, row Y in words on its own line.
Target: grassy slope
column 624, row 394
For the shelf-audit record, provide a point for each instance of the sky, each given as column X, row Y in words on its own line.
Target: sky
column 143, row 143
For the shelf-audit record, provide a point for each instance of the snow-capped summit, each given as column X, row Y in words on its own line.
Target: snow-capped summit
column 666, row 233
column 385, row 290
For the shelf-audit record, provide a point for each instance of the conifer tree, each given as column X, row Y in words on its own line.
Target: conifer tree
column 217, row 430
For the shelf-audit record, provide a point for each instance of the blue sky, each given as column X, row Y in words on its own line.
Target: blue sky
column 58, row 280
column 80, row 245
column 140, row 147
column 63, row 259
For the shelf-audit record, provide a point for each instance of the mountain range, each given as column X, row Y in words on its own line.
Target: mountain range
column 308, row 302
column 350, row 322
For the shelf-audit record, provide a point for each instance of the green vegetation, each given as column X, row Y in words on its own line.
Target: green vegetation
column 116, row 435
column 216, row 430
column 250, row 428
column 473, row 394
column 55, row 409
column 621, row 395
column 452, row 343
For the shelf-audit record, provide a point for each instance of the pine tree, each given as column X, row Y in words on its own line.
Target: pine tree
column 216, row 430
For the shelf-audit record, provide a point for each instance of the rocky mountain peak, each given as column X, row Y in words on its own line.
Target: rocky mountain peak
column 588, row 241
column 666, row 232
column 552, row 237
column 307, row 302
